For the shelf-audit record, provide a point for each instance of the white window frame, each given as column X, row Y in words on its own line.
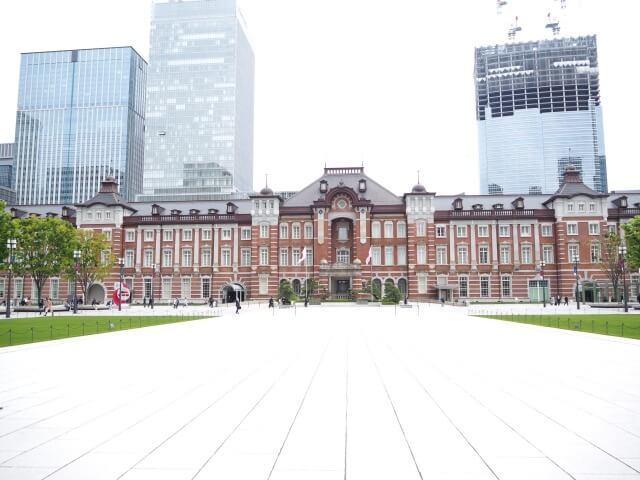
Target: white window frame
column 375, row 229
column 167, row 257
column 130, row 235
column 546, row 230
column 245, row 257
column 308, row 231
column 525, row 230
column 187, row 257
column 206, row 234
column 187, row 235
column 388, row 255
column 548, row 256
column 461, row 231
column 483, row 231
column 284, row 257
column 284, row 231
column 572, row 228
column 504, row 231
column 168, row 235
column 388, row 229
column 148, row 235
column 441, row 255
column 296, row 233
column 401, row 229
column 483, row 250
column 401, row 251
column 206, row 257
column 264, row 256
column 441, row 231
column 421, row 228
column 594, row 228
column 264, row 230
column 246, row 233
column 528, row 257
column 225, row 257
column 129, row 258
column 463, row 254
column 225, row 234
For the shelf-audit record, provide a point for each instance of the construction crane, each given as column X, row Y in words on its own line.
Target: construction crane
column 515, row 28
column 563, row 3
column 553, row 24
column 499, row 5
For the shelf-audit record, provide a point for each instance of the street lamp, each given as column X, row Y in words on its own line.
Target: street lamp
column 11, row 246
column 622, row 251
column 575, row 272
column 76, row 254
column 544, row 300
column 121, row 265
column 154, row 266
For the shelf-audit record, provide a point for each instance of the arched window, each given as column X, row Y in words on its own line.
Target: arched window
column 296, row 286
column 402, row 285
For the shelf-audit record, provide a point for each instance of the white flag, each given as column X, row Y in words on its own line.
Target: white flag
column 369, row 257
column 303, row 256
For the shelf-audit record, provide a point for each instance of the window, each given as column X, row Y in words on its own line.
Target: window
column 308, row 259
column 245, row 257
column 484, row 286
column 375, row 229
column 148, row 235
column 226, row 234
column 295, row 231
column 284, row 256
column 166, row 288
column 206, row 287
column 401, row 228
column 264, row 231
column 18, row 287
column 463, row 257
column 570, row 207
column 131, row 235
column 54, row 288
column 505, row 284
column 147, row 288
column 461, row 231
column 463, row 286
column 263, row 284
column 572, row 228
column 483, row 230
column 505, row 254
column 525, row 230
column 441, row 255
column 107, row 234
column 504, row 230
column 388, row 255
column 422, row 283
column 186, row 257
column 264, row 256
column 402, row 255
column 441, row 231
column 592, row 207
column 547, row 230
column 206, row 257
column 581, row 206
column 595, row 253
column 167, row 257
column 421, row 254
column 284, row 230
column 343, row 233
column 375, row 256
column 594, row 228
column 107, row 215
column 168, row 235
column 185, row 287
column 611, row 229
column 421, row 229
column 206, row 234
column 388, row 229
column 547, row 253
column 308, row 231
column 246, row 233
column 574, row 252
column 148, row 257
column 295, row 256
column 99, row 215
column 225, row 258
column 343, row 255
column 483, row 254
column 187, row 235
column 128, row 258
column 525, row 254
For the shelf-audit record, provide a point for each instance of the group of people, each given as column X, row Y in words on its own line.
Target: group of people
column 213, row 302
column 149, row 303
column 45, row 305
column 558, row 301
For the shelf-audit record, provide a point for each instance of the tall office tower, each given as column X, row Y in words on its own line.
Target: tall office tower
column 199, row 135
column 7, row 194
column 538, row 110
column 80, row 119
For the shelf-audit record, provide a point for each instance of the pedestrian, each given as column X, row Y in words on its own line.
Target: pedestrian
column 238, row 307
column 566, row 300
column 144, row 302
column 151, row 302
column 271, row 302
column 211, row 301
column 442, row 301
column 40, row 306
column 176, row 302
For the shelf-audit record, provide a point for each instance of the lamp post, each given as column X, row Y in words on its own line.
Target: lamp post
column 622, row 251
column 121, row 265
column 154, row 266
column 575, row 272
column 11, row 246
column 76, row 255
column 544, row 300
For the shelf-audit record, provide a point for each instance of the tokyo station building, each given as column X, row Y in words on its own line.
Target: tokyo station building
column 352, row 230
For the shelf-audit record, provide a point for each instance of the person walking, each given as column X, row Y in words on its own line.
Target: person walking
column 40, row 306
column 151, row 303
column 175, row 303
column 238, row 307
column 566, row 300
column 271, row 302
column 144, row 302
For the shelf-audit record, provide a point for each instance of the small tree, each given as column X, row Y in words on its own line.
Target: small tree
column 45, row 248
column 285, row 291
column 96, row 259
column 610, row 262
column 377, row 294
column 632, row 239
column 392, row 293
column 312, row 285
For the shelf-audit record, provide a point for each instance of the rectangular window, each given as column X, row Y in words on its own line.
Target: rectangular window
column 441, row 255
column 421, row 254
column 595, row 253
column 246, row 233
column 343, row 233
column 308, row 231
column 264, row 231
column 484, row 286
column 375, row 229
column 421, row 229
column 463, row 286
column 483, row 254
column 592, row 207
column 463, row 257
column 187, row 235
column 504, row 231
column 295, row 231
column 206, row 287
column 569, row 207
column 594, row 228
column 422, row 283
column 441, row 231
column 147, row 287
column 401, row 227
column 245, row 257
column 107, row 215
column 148, row 257
column 206, row 257
column 284, row 231
column 505, row 283
column 264, row 256
column 388, row 229
column 525, row 230
column 226, row 234
column 343, row 255
column 547, row 230
column 284, row 256
column 461, row 231
column 388, row 255
column 186, row 257
column 99, row 216
column 308, row 259
column 148, row 235
column 572, row 229
column 206, row 234
column 525, row 254
column 225, row 258
column 54, row 288
column 505, row 254
column 547, row 253
column 18, row 287
column 107, row 234
column 295, row 256
column 574, row 252
column 2, row 288
column 131, row 235
column 402, row 254
column 611, row 229
column 483, row 231
column 168, row 235
column 185, row 287
column 581, row 206
column 128, row 258
column 375, row 256
column 167, row 257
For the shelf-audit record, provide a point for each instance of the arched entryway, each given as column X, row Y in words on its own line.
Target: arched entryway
column 402, row 286
column 96, row 292
column 231, row 291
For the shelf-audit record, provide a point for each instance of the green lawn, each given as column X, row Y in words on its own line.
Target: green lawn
column 617, row 325
column 40, row 329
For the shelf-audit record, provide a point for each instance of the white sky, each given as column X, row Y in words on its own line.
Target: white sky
column 386, row 83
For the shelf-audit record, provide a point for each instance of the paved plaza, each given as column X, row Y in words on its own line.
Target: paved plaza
column 333, row 392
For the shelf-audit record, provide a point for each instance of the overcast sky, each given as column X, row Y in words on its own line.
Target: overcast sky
column 344, row 82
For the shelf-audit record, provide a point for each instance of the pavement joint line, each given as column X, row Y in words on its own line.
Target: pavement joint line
column 5, row 401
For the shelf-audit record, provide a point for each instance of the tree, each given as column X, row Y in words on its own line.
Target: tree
column 392, row 293
column 610, row 261
column 286, row 291
column 312, row 285
column 376, row 290
column 96, row 259
column 632, row 239
column 7, row 231
column 45, row 248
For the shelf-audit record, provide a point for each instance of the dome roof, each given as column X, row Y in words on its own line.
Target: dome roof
column 266, row 191
column 418, row 188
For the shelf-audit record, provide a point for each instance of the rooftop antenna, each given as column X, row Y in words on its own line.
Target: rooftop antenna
column 418, row 176
column 266, row 179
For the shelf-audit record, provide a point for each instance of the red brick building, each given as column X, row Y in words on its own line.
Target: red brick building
column 470, row 247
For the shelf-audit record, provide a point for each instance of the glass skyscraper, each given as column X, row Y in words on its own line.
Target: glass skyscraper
column 199, row 131
column 80, row 119
column 538, row 110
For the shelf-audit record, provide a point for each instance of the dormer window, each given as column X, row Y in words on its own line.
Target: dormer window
column 457, row 204
column 176, row 212
column 518, row 203
column 212, row 211
column 194, row 211
column 362, row 185
column 155, row 210
column 65, row 212
column 231, row 208
column 324, row 186
column 477, row 206
column 498, row 206
column 623, row 202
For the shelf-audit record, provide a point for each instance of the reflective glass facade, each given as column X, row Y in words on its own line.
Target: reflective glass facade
column 538, row 110
column 80, row 118
column 199, row 135
column 6, row 165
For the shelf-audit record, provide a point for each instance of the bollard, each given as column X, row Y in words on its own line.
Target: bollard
column 31, row 334
column 9, row 337
column 622, row 329
column 50, row 332
column 67, row 330
column 607, row 326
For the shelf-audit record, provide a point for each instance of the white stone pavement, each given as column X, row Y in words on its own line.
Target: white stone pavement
column 324, row 393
